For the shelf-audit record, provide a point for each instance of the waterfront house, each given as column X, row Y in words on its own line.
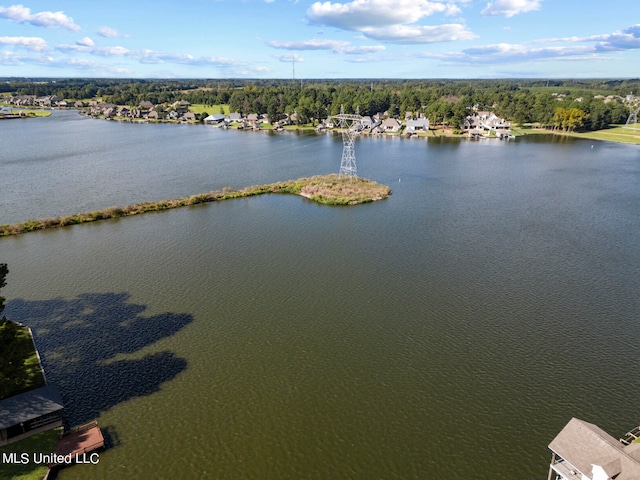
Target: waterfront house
column 28, row 410
column 29, row 413
column 418, row 125
column 583, row 451
column 145, row 106
column 390, row 125
column 181, row 106
column 487, row 122
column 214, row 119
column 155, row 115
column 122, row 111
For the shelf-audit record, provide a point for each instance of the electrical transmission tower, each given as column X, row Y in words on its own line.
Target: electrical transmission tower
column 634, row 108
column 350, row 125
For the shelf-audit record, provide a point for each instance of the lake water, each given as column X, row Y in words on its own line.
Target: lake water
column 450, row 331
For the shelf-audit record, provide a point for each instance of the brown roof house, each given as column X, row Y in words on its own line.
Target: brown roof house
column 583, row 451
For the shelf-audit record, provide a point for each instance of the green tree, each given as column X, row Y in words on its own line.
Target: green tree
column 16, row 347
column 568, row 118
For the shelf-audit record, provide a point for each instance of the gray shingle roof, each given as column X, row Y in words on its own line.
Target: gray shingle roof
column 583, row 445
column 29, row 405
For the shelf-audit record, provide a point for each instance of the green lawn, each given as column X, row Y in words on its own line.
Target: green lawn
column 616, row 133
column 210, row 109
column 20, row 338
column 44, row 442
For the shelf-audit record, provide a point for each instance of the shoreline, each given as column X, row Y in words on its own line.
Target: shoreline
column 607, row 135
column 613, row 133
column 324, row 189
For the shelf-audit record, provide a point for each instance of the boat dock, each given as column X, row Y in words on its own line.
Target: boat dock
column 79, row 441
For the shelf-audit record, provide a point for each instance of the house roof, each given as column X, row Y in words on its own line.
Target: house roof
column 420, row 122
column 391, row 122
column 584, row 445
column 216, row 117
column 29, row 405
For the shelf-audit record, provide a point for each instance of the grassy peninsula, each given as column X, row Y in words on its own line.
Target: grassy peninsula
column 325, row 189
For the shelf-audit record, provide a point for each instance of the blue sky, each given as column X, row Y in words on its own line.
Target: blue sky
column 323, row 39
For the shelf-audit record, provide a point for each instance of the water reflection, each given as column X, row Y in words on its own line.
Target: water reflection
column 80, row 339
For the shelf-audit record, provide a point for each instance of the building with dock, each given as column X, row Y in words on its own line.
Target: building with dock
column 583, row 451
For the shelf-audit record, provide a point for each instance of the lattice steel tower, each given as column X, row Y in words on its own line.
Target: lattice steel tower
column 350, row 124
column 634, row 108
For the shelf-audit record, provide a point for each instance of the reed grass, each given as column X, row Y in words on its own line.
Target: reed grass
column 326, row 189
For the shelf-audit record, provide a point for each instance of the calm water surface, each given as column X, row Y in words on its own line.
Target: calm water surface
column 448, row 332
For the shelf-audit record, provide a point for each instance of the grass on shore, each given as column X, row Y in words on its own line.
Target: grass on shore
column 20, row 340
column 44, row 442
column 326, row 189
column 31, row 112
column 200, row 108
column 615, row 133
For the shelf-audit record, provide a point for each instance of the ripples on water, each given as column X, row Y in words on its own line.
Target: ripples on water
column 448, row 332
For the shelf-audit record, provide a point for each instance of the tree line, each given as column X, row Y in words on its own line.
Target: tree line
column 442, row 101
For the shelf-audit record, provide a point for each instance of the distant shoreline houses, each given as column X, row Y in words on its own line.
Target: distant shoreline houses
column 479, row 124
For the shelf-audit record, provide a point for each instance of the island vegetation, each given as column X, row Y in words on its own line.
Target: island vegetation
column 329, row 189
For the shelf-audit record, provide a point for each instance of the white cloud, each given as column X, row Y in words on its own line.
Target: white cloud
column 93, row 50
column 363, row 50
column 564, row 49
column 375, row 13
column 313, row 44
column 336, row 46
column 393, row 21
column 147, row 56
column 35, row 44
column 22, row 14
column 288, row 58
column 509, row 8
column 627, row 39
column 108, row 32
column 414, row 34
column 86, row 42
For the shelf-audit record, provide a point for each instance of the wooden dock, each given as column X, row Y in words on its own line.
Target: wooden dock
column 631, row 436
column 79, row 441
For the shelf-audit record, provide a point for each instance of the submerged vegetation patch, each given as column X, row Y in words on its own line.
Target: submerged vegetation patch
column 326, row 189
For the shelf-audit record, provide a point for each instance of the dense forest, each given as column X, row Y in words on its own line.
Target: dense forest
column 585, row 104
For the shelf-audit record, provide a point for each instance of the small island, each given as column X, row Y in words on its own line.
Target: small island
column 332, row 189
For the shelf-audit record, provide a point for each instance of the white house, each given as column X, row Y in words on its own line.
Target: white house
column 419, row 125
column 215, row 118
column 583, row 451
